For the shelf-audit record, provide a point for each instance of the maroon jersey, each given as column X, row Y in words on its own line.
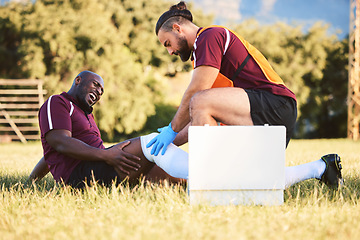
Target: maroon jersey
column 62, row 112
column 223, row 49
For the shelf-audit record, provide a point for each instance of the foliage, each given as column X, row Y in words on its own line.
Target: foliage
column 164, row 115
column 326, row 109
column 55, row 39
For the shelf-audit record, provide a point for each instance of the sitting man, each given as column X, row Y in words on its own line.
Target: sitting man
column 73, row 149
column 74, row 152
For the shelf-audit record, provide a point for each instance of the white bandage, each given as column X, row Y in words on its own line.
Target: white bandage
column 147, row 151
column 174, row 161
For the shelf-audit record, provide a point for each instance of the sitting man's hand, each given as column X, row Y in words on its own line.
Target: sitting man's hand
column 122, row 161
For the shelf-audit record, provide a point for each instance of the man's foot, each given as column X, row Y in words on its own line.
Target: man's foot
column 332, row 174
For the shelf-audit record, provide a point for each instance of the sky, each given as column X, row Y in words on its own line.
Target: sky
column 294, row 12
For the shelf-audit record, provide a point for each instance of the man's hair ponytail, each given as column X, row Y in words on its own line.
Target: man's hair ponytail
column 177, row 12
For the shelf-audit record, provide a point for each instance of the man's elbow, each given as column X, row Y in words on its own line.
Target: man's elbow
column 60, row 148
column 59, row 140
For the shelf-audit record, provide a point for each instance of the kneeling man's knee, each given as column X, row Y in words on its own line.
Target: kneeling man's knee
column 198, row 101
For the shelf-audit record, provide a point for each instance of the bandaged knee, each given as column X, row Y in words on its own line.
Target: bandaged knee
column 174, row 162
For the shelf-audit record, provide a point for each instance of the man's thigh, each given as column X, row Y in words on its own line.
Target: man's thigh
column 237, row 106
column 156, row 174
column 230, row 106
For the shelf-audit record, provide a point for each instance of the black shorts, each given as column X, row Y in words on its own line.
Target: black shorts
column 268, row 108
column 87, row 171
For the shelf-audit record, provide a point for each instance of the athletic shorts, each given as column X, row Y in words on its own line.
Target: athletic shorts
column 87, row 171
column 268, row 108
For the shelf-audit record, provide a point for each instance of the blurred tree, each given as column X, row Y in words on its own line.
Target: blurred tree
column 55, row 39
column 10, row 39
column 326, row 108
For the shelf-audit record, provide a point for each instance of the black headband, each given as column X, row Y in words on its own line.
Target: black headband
column 172, row 13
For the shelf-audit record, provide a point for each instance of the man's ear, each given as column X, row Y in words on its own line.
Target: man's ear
column 77, row 80
column 176, row 27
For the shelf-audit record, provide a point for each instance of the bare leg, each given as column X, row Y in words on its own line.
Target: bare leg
column 174, row 161
column 156, row 174
column 230, row 106
column 135, row 148
column 148, row 169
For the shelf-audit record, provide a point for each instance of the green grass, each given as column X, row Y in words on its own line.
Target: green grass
column 153, row 211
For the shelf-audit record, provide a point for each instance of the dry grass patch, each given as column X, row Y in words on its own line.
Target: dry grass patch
column 162, row 211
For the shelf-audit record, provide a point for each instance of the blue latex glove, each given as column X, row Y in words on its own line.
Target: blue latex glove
column 166, row 136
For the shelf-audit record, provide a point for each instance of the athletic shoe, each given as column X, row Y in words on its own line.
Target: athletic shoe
column 332, row 174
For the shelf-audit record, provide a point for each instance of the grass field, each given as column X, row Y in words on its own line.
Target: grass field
column 152, row 211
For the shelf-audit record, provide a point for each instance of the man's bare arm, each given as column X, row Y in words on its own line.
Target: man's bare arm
column 39, row 171
column 182, row 136
column 203, row 78
column 64, row 143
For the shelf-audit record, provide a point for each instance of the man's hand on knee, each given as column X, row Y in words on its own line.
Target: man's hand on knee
column 121, row 160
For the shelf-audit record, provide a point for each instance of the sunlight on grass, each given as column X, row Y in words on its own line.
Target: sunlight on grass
column 162, row 211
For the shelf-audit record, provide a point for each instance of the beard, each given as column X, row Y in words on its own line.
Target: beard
column 184, row 51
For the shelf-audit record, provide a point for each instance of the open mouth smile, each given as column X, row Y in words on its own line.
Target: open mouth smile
column 93, row 98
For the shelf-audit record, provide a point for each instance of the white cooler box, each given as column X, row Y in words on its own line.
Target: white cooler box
column 237, row 165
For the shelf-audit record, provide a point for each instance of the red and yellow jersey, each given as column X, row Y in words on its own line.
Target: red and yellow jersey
column 225, row 50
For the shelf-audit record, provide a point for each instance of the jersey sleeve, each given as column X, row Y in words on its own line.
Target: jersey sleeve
column 209, row 48
column 55, row 114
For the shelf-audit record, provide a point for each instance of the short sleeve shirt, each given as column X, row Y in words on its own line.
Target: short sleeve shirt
column 222, row 49
column 62, row 112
